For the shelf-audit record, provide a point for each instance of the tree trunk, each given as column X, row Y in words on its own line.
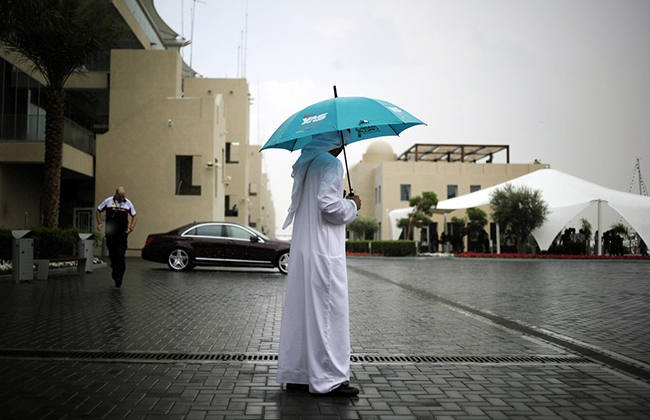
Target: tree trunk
column 409, row 230
column 521, row 244
column 53, row 157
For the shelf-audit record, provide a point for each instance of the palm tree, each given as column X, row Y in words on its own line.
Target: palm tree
column 56, row 37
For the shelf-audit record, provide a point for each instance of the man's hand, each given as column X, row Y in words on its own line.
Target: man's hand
column 356, row 199
column 99, row 226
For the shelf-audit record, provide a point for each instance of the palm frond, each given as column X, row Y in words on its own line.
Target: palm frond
column 57, row 37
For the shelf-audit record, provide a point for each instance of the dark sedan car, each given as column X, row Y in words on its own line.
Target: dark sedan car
column 216, row 243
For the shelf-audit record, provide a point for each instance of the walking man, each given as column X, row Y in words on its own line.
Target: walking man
column 315, row 335
column 118, row 209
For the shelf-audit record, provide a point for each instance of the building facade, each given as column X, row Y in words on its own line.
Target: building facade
column 165, row 148
column 262, row 213
column 137, row 117
column 385, row 182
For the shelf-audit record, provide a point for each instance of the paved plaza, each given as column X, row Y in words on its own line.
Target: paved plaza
column 432, row 338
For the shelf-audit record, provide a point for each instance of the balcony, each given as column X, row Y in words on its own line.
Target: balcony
column 31, row 128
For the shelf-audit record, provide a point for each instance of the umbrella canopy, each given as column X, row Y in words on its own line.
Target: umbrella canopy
column 365, row 118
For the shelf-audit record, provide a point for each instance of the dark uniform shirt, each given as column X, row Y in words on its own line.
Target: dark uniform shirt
column 117, row 215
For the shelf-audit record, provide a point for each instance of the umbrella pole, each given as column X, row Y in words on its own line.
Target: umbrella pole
column 345, row 156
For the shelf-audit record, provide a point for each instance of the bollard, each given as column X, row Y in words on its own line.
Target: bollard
column 22, row 255
column 85, row 249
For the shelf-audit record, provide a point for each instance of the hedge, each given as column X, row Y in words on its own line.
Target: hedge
column 5, row 244
column 386, row 248
column 48, row 242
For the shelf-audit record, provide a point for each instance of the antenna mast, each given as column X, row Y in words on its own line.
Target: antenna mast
column 238, row 59
column 241, row 49
column 192, row 29
column 245, row 45
column 182, row 26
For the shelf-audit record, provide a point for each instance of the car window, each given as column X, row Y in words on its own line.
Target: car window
column 237, row 232
column 260, row 234
column 209, row 230
column 190, row 232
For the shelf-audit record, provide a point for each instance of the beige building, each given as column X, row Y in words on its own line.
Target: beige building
column 238, row 167
column 22, row 147
column 164, row 145
column 137, row 117
column 385, row 182
column 262, row 213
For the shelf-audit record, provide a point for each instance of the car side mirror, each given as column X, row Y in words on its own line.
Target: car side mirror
column 255, row 238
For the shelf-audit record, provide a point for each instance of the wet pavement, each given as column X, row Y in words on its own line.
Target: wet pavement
column 431, row 338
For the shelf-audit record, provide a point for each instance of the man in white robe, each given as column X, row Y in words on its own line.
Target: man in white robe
column 315, row 334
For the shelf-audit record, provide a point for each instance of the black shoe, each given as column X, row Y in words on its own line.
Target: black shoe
column 297, row 387
column 343, row 390
column 118, row 283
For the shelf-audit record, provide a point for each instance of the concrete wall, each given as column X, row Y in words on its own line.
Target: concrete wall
column 255, row 186
column 235, row 131
column 15, row 181
column 237, row 114
column 21, row 179
column 267, row 207
column 262, row 212
column 150, row 125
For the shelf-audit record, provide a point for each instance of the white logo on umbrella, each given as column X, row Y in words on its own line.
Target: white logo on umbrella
column 308, row 119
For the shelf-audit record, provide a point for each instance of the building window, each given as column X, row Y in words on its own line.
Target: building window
column 252, row 189
column 187, row 174
column 237, row 232
column 405, row 192
column 379, row 194
column 231, row 212
column 230, row 153
column 452, row 191
column 474, row 188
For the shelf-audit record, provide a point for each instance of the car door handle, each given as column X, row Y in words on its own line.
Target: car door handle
column 230, row 241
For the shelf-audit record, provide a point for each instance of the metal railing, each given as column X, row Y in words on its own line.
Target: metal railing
column 32, row 128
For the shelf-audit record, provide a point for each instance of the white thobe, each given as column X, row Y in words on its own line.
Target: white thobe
column 315, row 334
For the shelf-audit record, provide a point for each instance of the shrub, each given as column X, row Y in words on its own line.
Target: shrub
column 569, row 248
column 52, row 242
column 48, row 242
column 364, row 227
column 5, row 244
column 385, row 248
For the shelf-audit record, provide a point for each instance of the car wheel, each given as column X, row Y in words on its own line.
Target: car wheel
column 179, row 260
column 283, row 263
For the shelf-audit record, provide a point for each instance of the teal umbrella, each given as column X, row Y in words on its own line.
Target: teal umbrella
column 365, row 118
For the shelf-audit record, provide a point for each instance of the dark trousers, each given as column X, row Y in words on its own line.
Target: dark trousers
column 116, row 245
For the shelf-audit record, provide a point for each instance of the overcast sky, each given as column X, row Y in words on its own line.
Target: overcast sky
column 566, row 82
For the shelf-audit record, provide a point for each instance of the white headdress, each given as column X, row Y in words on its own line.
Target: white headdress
column 320, row 143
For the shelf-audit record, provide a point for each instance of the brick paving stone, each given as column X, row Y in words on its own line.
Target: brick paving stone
column 239, row 311
column 578, row 300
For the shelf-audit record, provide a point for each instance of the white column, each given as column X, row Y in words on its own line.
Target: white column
column 389, row 227
column 600, row 228
column 498, row 240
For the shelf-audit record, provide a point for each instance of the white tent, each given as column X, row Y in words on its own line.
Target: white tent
column 566, row 197
column 393, row 217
